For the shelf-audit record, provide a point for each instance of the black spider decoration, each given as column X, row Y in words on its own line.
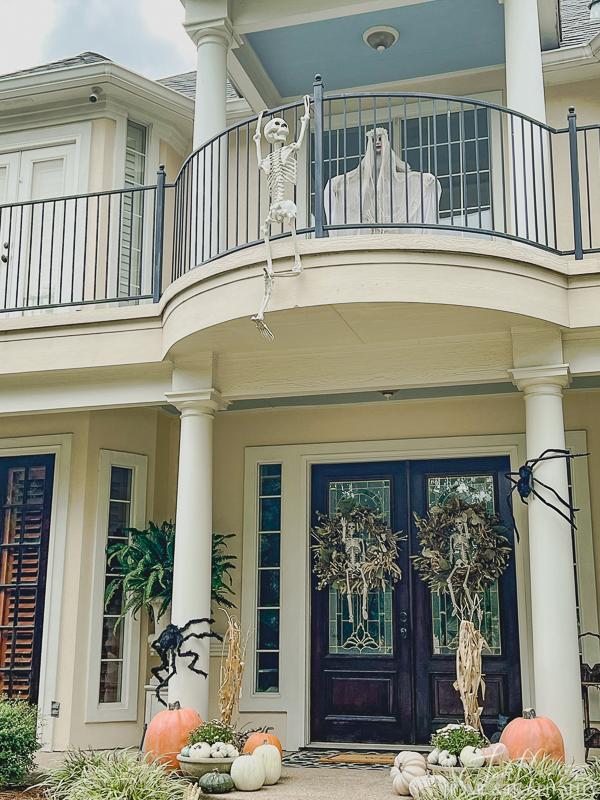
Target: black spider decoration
column 169, row 647
column 524, row 482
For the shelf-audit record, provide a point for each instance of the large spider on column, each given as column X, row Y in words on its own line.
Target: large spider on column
column 169, row 647
column 524, row 482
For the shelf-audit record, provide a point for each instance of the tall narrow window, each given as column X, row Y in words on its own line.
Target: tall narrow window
column 114, row 644
column 132, row 213
column 269, row 578
column 119, row 516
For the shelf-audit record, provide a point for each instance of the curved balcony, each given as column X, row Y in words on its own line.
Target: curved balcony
column 368, row 163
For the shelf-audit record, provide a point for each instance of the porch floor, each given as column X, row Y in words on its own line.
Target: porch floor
column 305, row 783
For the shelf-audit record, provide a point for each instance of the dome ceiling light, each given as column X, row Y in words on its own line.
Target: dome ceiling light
column 381, row 37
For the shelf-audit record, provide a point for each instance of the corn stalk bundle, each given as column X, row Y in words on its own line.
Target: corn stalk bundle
column 232, row 669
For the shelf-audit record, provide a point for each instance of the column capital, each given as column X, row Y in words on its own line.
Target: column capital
column 219, row 31
column 202, row 401
column 551, row 379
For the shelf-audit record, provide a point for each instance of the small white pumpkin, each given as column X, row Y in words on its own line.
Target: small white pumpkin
column 271, row 758
column 232, row 751
column 219, row 750
column 199, row 750
column 472, row 757
column 248, row 773
column 419, row 787
column 447, row 759
column 407, row 766
column 432, row 758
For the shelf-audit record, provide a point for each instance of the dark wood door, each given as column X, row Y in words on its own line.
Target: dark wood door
column 360, row 694
column 437, row 702
column 26, row 498
column 400, row 691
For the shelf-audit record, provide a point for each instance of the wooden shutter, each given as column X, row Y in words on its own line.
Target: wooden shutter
column 26, row 486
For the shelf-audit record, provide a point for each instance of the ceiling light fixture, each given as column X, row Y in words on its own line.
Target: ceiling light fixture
column 382, row 37
column 388, row 394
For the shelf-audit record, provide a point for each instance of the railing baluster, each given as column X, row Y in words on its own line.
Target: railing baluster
column 159, row 233
column 319, row 166
column 575, row 188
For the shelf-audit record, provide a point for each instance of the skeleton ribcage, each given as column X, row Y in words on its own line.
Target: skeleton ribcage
column 279, row 171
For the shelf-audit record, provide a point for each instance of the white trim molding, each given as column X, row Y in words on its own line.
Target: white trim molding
column 127, row 709
column 293, row 697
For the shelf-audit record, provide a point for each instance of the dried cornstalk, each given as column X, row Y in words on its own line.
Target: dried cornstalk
column 232, row 669
column 469, row 678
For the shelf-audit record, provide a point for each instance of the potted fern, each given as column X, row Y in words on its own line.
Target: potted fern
column 144, row 572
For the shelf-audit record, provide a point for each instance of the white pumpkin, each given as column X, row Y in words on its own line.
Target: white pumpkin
column 232, row 751
column 199, row 750
column 432, row 758
column 419, row 787
column 219, row 750
column 271, row 758
column 248, row 773
column 472, row 757
column 407, row 766
column 447, row 759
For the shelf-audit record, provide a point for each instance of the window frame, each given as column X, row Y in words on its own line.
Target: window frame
column 126, row 710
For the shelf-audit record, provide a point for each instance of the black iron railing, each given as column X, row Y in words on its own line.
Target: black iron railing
column 386, row 163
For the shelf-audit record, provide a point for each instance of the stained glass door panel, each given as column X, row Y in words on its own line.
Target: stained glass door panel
column 375, row 637
column 471, row 489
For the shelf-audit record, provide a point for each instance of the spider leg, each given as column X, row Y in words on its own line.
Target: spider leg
column 555, row 493
column 570, row 520
column 163, row 682
column 512, row 514
column 192, row 665
column 199, row 621
column 202, row 635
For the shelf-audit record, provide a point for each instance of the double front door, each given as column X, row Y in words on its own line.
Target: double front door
column 394, row 682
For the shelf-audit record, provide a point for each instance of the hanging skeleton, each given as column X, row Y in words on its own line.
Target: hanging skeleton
column 281, row 169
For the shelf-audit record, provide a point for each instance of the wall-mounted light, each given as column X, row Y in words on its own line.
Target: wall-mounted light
column 382, row 37
column 595, row 10
column 388, row 394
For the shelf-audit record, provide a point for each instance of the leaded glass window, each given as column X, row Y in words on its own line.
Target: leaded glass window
column 375, row 495
column 269, row 578
column 472, row 489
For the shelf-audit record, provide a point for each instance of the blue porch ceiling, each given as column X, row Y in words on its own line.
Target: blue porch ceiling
column 435, row 37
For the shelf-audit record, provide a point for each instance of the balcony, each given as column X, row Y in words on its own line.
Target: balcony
column 370, row 163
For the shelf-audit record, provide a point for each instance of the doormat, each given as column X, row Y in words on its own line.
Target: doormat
column 337, row 759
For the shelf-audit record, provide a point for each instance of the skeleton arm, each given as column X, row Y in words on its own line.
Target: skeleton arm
column 304, row 119
column 257, row 138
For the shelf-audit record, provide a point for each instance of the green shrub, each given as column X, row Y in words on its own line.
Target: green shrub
column 543, row 779
column 454, row 737
column 115, row 775
column 214, row 731
column 18, row 741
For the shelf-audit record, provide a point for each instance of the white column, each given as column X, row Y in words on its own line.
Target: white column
column 524, row 75
column 211, row 80
column 553, row 604
column 193, row 540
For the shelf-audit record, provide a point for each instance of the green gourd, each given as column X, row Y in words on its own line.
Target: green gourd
column 216, row 783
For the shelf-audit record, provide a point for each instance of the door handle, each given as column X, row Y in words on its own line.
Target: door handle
column 404, row 633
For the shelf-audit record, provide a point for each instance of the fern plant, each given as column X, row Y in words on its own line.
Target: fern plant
column 144, row 569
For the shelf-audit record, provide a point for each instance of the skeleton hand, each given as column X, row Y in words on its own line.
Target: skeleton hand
column 257, row 132
column 306, row 116
column 192, row 792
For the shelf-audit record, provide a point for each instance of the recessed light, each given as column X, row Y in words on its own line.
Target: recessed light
column 382, row 37
column 388, row 394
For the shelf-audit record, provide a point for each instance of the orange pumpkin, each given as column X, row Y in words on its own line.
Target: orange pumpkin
column 256, row 739
column 530, row 737
column 168, row 732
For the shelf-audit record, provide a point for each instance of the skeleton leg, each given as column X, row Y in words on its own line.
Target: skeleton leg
column 259, row 318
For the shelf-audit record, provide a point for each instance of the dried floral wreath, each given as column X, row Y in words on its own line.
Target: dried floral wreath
column 463, row 551
column 355, row 552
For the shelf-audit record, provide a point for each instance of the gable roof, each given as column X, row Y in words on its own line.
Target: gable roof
column 185, row 83
column 576, row 27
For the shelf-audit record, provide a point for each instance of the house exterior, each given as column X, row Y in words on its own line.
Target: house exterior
column 444, row 329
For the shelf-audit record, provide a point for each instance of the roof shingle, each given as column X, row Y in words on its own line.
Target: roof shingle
column 63, row 63
column 185, row 83
column 575, row 23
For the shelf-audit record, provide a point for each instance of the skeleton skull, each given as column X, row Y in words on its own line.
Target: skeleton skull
column 277, row 131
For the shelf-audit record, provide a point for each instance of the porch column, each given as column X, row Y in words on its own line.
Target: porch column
column 524, row 75
column 213, row 42
column 553, row 604
column 193, row 539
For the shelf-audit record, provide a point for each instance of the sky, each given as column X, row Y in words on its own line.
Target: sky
column 144, row 35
